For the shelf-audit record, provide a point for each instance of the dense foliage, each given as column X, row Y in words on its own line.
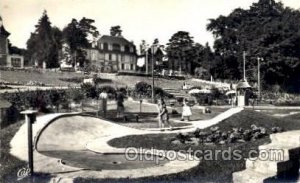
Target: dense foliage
column 77, row 35
column 267, row 30
column 44, row 43
column 144, row 90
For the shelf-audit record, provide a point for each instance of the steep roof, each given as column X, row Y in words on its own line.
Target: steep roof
column 2, row 29
column 114, row 40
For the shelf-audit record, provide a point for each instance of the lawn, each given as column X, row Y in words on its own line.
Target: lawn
column 66, row 78
column 48, row 78
column 210, row 170
column 130, row 81
column 10, row 165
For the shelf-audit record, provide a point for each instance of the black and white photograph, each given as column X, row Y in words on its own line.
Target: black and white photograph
column 95, row 91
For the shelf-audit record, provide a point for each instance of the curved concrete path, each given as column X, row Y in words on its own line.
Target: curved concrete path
column 77, row 132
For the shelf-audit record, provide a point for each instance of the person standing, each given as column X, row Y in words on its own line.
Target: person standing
column 103, row 102
column 120, row 105
column 186, row 110
column 163, row 116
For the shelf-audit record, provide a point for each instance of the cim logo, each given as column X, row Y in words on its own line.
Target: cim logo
column 23, row 173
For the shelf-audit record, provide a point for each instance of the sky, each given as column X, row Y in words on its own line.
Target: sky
column 139, row 19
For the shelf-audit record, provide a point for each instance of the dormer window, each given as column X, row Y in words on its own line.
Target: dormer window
column 122, row 48
column 110, row 47
column 116, row 47
column 126, row 48
column 131, row 49
column 105, row 46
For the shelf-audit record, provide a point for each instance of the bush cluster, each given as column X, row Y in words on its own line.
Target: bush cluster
column 78, row 80
column 216, row 136
column 149, row 75
column 144, row 90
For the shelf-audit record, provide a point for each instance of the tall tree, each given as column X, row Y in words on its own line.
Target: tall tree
column 266, row 30
column 80, row 35
column 116, row 31
column 42, row 45
column 180, row 51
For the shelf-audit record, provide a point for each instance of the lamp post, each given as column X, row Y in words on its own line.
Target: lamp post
column 30, row 118
column 146, row 59
column 244, row 64
column 258, row 77
column 152, row 60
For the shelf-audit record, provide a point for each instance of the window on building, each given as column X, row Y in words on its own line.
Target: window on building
column 122, row 48
column 105, row 46
column 131, row 66
column 116, row 47
column 16, row 62
column 126, row 48
column 122, row 58
column 109, row 56
column 110, row 47
column 131, row 49
column 122, row 66
column 132, row 58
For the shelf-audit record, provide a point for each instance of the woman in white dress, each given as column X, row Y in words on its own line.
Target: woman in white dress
column 186, row 110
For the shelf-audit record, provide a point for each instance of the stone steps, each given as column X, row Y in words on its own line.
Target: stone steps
column 250, row 176
column 278, row 159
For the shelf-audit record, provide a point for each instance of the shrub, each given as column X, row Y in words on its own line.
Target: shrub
column 98, row 80
column 144, row 90
column 75, row 94
column 109, row 89
column 89, row 90
column 149, row 75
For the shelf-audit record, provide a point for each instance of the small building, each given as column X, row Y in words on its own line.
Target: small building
column 243, row 93
column 157, row 55
column 8, row 59
column 15, row 60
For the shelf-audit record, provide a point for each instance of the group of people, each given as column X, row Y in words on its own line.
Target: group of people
column 120, row 103
column 163, row 115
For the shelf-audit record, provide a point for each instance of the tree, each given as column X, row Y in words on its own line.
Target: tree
column 180, row 51
column 43, row 44
column 266, row 30
column 116, row 31
column 79, row 36
column 156, row 41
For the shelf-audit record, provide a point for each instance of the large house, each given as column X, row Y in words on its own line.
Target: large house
column 7, row 59
column 113, row 54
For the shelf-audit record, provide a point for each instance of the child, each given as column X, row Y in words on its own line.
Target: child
column 163, row 116
column 186, row 110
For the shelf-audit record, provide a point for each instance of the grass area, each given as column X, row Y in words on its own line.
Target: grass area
column 48, row 78
column 295, row 117
column 10, row 165
column 218, row 170
column 130, row 81
column 65, row 78
column 279, row 112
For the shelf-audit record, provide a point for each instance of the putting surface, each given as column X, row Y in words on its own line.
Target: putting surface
column 73, row 132
column 90, row 160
